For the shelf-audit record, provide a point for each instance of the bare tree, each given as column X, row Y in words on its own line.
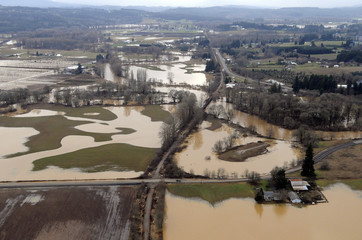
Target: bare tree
column 229, row 114
column 170, row 76
column 169, row 131
column 218, row 147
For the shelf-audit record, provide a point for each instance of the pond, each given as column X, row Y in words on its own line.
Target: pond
column 179, row 71
column 243, row 218
column 199, row 157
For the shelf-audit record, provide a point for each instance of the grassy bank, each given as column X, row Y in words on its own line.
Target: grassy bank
column 213, row 193
column 156, row 113
column 355, row 184
column 103, row 114
column 115, row 157
column 51, row 131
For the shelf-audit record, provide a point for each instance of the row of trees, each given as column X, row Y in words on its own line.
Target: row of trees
column 353, row 55
column 330, row 111
column 187, row 110
column 323, row 83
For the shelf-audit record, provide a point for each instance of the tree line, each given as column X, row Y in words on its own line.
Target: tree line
column 330, row 111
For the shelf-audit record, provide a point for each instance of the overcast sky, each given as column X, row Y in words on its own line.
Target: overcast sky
column 203, row 3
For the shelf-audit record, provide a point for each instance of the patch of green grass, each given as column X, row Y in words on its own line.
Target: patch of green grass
column 212, row 193
column 51, row 131
column 322, row 145
column 355, row 184
column 126, row 131
column 154, row 68
column 104, row 114
column 330, row 56
column 215, row 123
column 104, row 158
column 156, row 113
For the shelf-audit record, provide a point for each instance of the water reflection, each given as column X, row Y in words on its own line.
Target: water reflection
column 264, row 128
column 108, row 73
column 127, row 111
column 259, row 209
column 179, row 72
column 243, row 219
column 201, row 157
column 280, row 209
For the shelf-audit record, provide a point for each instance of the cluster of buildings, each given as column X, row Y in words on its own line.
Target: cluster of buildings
column 297, row 186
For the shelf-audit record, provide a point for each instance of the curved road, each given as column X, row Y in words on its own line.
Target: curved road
column 322, row 155
column 123, row 182
column 226, row 69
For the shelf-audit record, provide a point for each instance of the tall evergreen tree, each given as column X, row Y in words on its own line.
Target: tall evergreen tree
column 308, row 163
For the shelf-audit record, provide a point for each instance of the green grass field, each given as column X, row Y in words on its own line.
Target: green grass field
column 104, row 114
column 52, row 130
column 116, row 157
column 213, row 193
column 355, row 184
column 156, row 113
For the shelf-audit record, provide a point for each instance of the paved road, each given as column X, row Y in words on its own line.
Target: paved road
column 124, row 182
column 226, row 69
column 322, row 155
column 93, row 183
column 147, row 215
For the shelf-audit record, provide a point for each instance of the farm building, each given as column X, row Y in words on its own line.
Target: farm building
column 294, row 198
column 299, row 184
column 268, row 196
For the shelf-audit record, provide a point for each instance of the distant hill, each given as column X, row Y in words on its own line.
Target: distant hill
column 33, row 3
column 16, row 19
column 234, row 13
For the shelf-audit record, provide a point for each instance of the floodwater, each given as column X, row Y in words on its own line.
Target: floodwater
column 264, row 128
column 13, row 139
column 244, row 219
column 200, row 95
column 146, row 134
column 20, row 168
column 40, row 113
column 108, row 73
column 24, row 73
column 180, row 74
column 199, row 156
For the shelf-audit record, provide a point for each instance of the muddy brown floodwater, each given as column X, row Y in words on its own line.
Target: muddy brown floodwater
column 179, row 72
column 20, row 168
column 198, row 156
column 14, row 139
column 264, row 128
column 108, row 74
column 194, row 219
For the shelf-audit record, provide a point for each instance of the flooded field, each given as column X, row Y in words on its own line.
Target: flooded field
column 243, row 218
column 39, row 113
column 199, row 157
column 179, row 71
column 200, row 95
column 14, row 139
column 142, row 133
column 264, row 128
column 66, row 213
column 24, row 73
column 108, row 74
